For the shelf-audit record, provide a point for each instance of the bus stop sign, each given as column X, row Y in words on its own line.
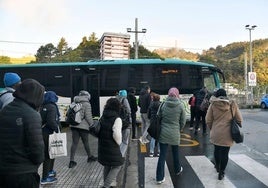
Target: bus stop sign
column 252, row 79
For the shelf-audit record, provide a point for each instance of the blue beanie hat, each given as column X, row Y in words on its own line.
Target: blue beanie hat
column 123, row 93
column 11, row 78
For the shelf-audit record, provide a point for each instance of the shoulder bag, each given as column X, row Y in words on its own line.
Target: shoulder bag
column 236, row 134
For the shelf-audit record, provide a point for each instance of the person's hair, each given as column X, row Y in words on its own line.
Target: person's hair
column 113, row 104
column 221, row 93
column 156, row 97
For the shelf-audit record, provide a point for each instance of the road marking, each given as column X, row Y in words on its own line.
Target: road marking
column 187, row 138
column 150, row 174
column 254, row 168
column 206, row 172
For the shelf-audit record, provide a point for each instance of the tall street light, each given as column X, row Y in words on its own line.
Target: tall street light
column 136, row 36
column 250, row 28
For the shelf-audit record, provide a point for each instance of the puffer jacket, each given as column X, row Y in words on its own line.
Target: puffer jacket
column 173, row 119
column 144, row 101
column 86, row 113
column 109, row 153
column 21, row 140
column 218, row 119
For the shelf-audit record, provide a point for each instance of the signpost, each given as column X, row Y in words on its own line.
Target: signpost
column 252, row 79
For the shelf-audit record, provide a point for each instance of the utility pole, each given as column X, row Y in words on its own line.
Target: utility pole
column 250, row 28
column 136, row 31
column 246, row 76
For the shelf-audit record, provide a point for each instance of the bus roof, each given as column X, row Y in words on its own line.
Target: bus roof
column 111, row 62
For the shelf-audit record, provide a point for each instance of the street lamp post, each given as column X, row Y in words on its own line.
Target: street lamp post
column 136, row 31
column 250, row 28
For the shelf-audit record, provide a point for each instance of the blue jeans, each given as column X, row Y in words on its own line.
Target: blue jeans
column 152, row 146
column 160, row 170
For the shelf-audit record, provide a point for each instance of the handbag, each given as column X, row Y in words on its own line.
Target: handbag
column 236, row 134
column 94, row 129
column 205, row 104
column 57, row 145
column 155, row 125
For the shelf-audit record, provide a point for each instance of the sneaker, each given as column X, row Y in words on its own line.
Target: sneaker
column 180, row 171
column 158, row 154
column 191, row 128
column 160, row 182
column 48, row 180
column 52, row 173
column 151, row 155
column 92, row 158
column 141, row 140
column 72, row 164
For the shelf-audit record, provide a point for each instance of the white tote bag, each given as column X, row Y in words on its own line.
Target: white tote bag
column 57, row 146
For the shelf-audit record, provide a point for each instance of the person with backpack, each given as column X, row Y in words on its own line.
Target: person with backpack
column 191, row 102
column 82, row 129
column 50, row 123
column 125, row 115
column 11, row 82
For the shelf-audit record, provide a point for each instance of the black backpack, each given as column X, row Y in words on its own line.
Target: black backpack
column 124, row 115
column 73, row 114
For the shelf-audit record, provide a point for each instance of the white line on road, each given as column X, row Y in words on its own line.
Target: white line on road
column 254, row 168
column 206, row 172
column 150, row 174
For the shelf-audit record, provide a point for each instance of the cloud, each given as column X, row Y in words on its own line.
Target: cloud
column 37, row 13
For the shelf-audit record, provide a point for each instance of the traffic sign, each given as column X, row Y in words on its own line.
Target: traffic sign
column 252, row 79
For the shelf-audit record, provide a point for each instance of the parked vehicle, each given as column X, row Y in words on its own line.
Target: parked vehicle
column 264, row 101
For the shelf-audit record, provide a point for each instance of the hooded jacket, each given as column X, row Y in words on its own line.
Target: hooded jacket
column 218, row 119
column 21, row 140
column 144, row 101
column 50, row 113
column 86, row 112
column 173, row 119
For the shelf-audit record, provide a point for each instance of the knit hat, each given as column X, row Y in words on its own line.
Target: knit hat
column 221, row 93
column 123, row 93
column 174, row 92
column 11, row 78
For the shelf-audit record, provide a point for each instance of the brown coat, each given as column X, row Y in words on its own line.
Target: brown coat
column 218, row 119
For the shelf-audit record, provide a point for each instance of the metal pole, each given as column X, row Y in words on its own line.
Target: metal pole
column 136, row 39
column 246, row 77
column 250, row 51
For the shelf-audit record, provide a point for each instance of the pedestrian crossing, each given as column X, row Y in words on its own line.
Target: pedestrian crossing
column 207, row 175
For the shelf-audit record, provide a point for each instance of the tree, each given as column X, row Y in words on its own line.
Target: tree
column 5, row 60
column 46, row 53
column 62, row 46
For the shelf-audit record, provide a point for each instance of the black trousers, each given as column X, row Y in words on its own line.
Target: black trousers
column 30, row 180
column 133, row 117
column 201, row 115
column 48, row 163
column 221, row 157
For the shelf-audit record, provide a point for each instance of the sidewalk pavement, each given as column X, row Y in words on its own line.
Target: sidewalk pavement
column 90, row 175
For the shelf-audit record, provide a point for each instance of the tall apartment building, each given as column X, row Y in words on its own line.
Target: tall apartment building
column 114, row 46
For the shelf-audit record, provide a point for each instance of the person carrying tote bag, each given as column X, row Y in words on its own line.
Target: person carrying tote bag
column 218, row 120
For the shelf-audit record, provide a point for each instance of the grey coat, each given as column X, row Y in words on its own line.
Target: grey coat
column 86, row 112
column 173, row 119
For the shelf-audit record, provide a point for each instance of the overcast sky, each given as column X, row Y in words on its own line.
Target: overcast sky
column 193, row 25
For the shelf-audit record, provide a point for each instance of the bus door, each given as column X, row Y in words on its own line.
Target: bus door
column 93, row 86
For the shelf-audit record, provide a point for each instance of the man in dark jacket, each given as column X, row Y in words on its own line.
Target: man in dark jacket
column 144, row 103
column 21, row 140
column 134, row 108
